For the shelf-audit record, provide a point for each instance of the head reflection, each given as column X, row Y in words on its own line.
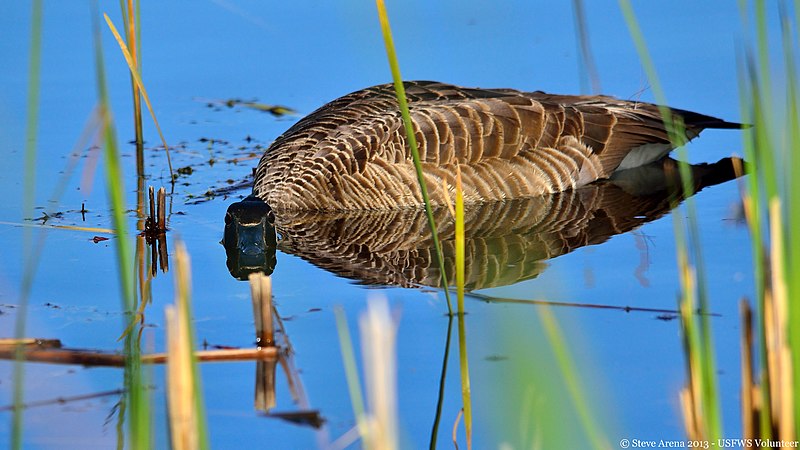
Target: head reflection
column 249, row 238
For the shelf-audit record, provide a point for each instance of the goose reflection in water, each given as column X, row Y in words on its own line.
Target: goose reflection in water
column 506, row 241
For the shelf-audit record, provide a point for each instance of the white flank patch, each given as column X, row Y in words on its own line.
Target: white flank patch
column 644, row 154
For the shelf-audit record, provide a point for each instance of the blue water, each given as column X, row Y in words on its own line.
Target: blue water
column 303, row 54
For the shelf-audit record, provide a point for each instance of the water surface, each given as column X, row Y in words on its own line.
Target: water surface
column 302, row 55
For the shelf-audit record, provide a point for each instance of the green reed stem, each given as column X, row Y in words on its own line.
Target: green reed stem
column 758, row 238
column 130, row 18
column 412, row 140
column 29, row 196
column 701, row 347
column 137, row 399
column 442, row 378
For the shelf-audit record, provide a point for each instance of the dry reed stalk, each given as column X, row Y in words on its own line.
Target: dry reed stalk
column 180, row 401
column 378, row 338
column 184, row 392
column 266, row 397
column 785, row 394
column 132, row 65
column 690, row 419
column 692, row 395
column 29, row 342
column 261, row 293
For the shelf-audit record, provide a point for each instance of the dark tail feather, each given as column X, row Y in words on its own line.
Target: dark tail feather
column 702, row 121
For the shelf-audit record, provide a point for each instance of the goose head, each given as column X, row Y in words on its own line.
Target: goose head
column 250, row 238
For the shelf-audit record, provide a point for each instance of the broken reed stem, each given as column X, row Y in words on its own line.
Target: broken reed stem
column 157, row 220
column 151, row 195
column 94, row 358
column 454, row 435
column 261, row 293
column 155, row 228
column 162, row 209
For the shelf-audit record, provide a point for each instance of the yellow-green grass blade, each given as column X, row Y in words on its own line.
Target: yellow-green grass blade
column 791, row 197
column 466, row 395
column 130, row 20
column 412, row 140
column 754, row 207
column 135, row 74
column 571, row 379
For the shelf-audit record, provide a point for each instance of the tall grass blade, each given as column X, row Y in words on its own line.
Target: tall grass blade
column 136, row 402
column 412, row 140
column 135, row 74
column 29, row 191
column 131, row 20
column 754, row 213
column 700, row 350
column 792, row 196
column 442, row 379
column 114, row 180
column 773, row 215
column 466, row 395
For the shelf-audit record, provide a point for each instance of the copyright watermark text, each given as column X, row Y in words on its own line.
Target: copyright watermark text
column 718, row 443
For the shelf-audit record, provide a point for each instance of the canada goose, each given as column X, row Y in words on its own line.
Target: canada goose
column 351, row 153
column 506, row 241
